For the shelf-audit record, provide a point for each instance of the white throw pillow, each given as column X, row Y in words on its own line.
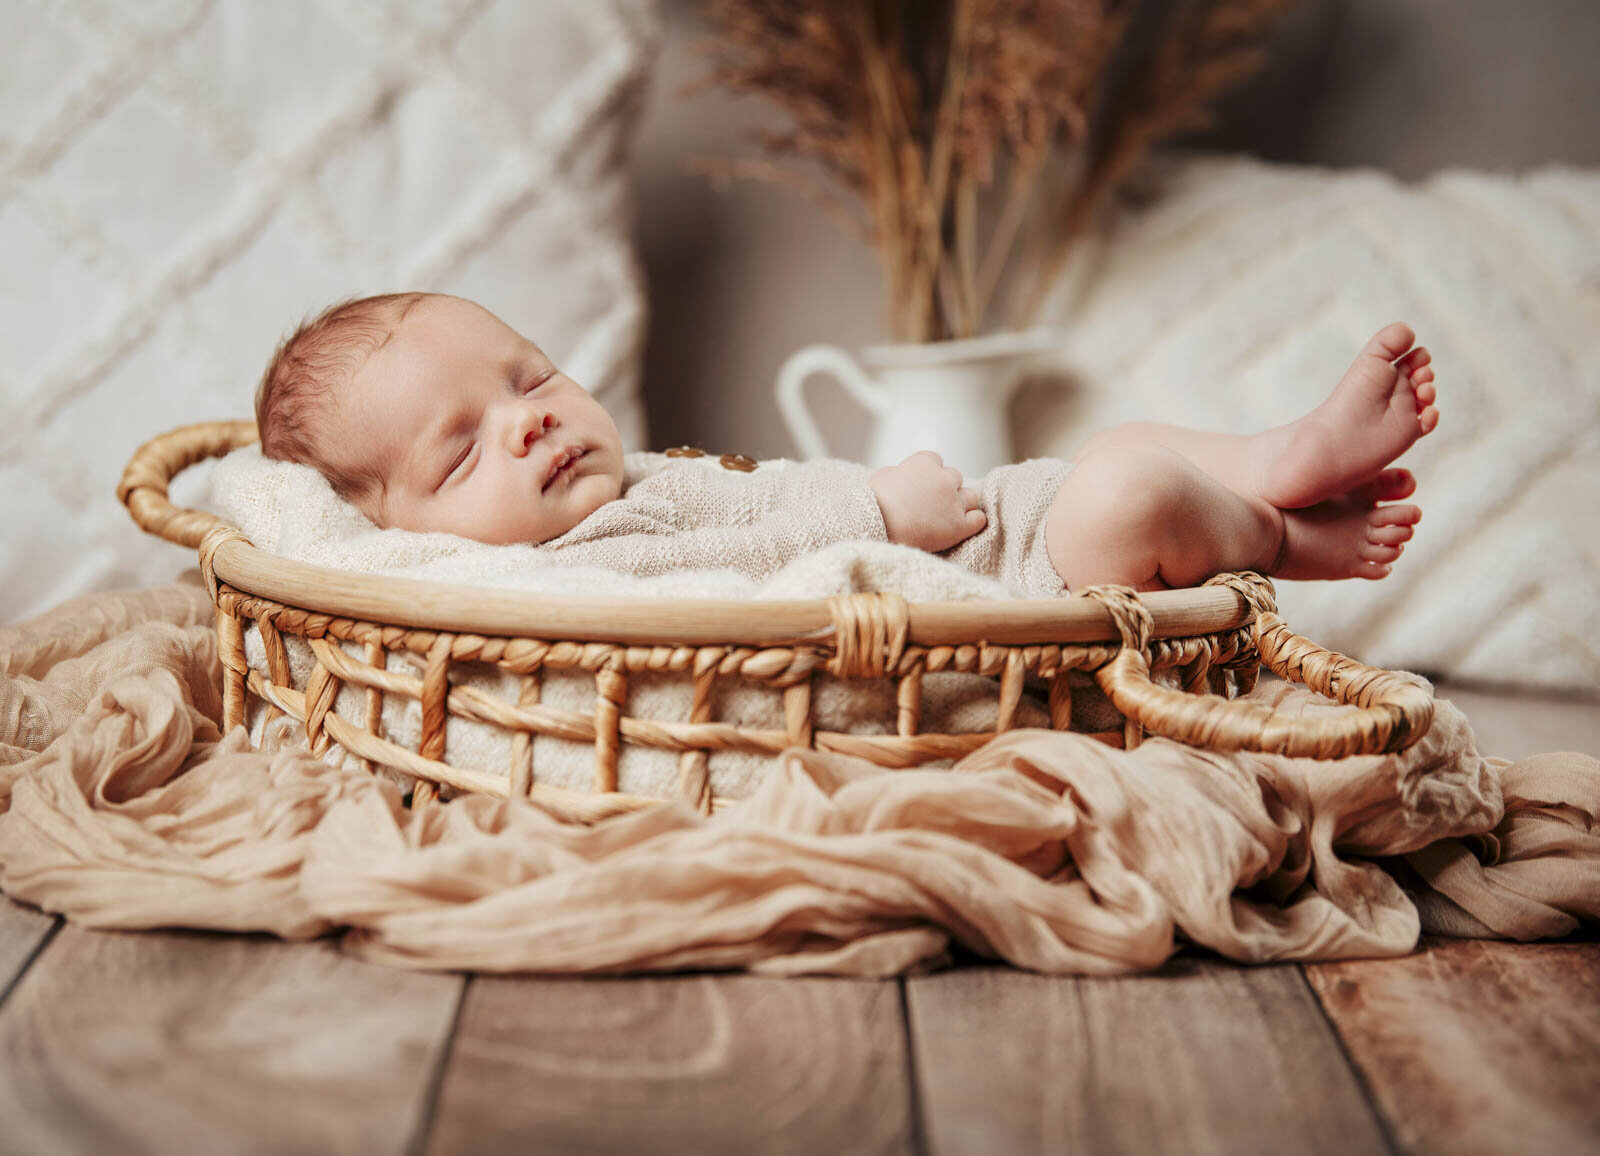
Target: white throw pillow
column 186, row 182
column 1232, row 294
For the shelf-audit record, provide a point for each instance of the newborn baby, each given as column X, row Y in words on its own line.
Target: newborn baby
column 429, row 413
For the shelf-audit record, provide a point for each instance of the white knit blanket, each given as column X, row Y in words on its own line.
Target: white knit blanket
column 184, row 181
column 290, row 510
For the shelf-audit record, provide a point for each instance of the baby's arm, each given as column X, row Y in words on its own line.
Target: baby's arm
column 925, row 505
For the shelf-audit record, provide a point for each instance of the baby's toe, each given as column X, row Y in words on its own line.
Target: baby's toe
column 1387, row 486
column 1426, row 394
column 1371, row 570
column 1389, row 535
column 1391, row 341
column 1400, row 514
column 1415, row 360
column 1428, row 419
column 1371, row 552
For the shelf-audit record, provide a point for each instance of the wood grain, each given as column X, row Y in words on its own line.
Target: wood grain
column 696, row 1063
column 166, row 1042
column 1201, row 1057
column 1476, row 1046
column 21, row 930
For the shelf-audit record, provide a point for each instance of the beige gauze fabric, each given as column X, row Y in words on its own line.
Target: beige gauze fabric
column 121, row 805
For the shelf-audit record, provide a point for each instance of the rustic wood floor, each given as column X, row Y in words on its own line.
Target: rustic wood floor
column 188, row 1042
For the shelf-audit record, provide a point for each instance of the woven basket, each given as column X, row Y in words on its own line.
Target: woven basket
column 1216, row 637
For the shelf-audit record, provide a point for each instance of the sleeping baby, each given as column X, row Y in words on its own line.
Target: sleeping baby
column 429, row 413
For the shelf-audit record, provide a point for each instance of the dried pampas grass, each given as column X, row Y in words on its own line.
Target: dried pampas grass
column 926, row 127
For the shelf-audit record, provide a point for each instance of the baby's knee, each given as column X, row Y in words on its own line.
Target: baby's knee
column 1139, row 487
column 1118, row 513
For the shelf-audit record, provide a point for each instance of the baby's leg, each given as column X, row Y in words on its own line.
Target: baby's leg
column 1151, row 505
column 1141, row 515
column 1383, row 403
column 1229, row 458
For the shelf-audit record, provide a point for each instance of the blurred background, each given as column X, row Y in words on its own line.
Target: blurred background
column 184, row 180
column 742, row 275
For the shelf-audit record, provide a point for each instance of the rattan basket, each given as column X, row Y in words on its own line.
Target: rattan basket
column 1213, row 638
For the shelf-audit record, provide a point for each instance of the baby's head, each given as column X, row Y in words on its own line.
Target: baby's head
column 430, row 413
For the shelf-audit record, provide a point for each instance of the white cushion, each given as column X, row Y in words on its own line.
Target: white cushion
column 186, row 183
column 1232, row 294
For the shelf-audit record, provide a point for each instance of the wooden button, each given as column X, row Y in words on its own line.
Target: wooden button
column 686, row 452
column 737, row 462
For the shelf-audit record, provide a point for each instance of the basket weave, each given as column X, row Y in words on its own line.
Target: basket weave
column 1216, row 636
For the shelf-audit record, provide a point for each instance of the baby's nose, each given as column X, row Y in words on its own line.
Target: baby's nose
column 534, row 431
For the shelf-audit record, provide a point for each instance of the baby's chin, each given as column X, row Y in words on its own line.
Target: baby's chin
column 588, row 494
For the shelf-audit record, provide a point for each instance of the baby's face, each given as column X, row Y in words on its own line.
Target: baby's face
column 474, row 431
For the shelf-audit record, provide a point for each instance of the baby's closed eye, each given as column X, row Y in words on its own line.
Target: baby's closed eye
column 540, row 377
column 460, row 465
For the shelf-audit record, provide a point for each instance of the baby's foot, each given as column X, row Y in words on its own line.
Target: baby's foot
column 1383, row 404
column 1350, row 536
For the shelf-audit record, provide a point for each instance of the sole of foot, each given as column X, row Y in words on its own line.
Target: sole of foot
column 1377, row 411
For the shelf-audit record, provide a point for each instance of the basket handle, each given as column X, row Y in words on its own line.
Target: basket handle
column 1386, row 712
column 143, row 488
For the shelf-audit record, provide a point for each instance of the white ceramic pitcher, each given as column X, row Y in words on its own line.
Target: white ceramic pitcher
column 946, row 396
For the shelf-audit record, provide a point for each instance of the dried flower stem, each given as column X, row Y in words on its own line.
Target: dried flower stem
column 916, row 107
column 1019, row 195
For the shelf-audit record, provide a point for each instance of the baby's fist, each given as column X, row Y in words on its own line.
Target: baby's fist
column 925, row 505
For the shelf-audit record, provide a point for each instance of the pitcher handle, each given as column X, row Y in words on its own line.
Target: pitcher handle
column 792, row 377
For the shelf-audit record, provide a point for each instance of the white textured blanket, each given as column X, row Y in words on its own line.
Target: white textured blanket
column 290, row 510
column 197, row 176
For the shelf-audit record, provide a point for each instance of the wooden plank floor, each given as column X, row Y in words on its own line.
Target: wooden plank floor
column 1203, row 1057
column 166, row 1041
column 1476, row 1047
column 174, row 1041
column 693, row 1063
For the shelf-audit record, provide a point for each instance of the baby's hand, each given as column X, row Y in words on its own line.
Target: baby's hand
column 924, row 503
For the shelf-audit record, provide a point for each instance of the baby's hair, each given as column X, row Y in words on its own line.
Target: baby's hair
column 313, row 361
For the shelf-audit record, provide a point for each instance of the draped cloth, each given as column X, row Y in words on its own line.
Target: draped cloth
column 123, row 805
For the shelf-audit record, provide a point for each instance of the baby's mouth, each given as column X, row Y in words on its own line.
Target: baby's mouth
column 559, row 464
